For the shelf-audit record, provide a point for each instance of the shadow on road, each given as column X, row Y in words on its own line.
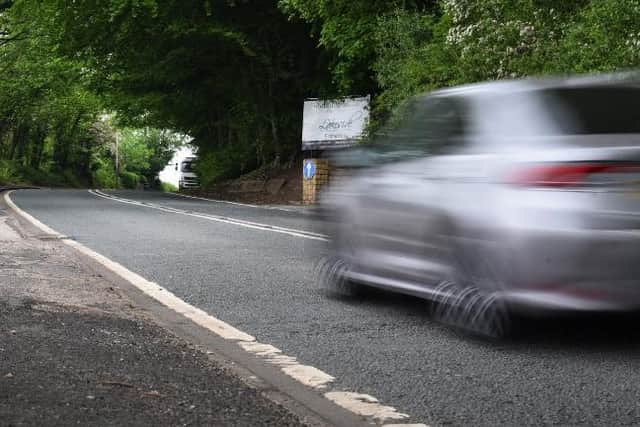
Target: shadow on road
column 613, row 331
column 584, row 331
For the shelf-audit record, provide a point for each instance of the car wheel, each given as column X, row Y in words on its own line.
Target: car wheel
column 469, row 304
column 332, row 277
column 472, row 310
column 332, row 270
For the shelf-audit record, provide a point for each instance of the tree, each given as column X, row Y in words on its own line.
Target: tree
column 145, row 152
column 45, row 108
column 233, row 74
column 347, row 30
column 605, row 36
column 229, row 74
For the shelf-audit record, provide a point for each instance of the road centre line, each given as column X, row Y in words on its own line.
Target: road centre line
column 360, row 404
column 266, row 207
column 214, row 200
column 227, row 220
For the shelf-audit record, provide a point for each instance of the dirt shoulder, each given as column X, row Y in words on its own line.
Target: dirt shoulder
column 75, row 350
column 262, row 186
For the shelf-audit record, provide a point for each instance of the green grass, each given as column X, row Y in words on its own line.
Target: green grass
column 169, row 188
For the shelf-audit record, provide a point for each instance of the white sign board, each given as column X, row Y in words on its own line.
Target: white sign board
column 327, row 124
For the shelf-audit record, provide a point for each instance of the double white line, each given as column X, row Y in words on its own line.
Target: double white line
column 227, row 220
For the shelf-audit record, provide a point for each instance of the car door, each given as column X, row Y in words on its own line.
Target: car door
column 400, row 214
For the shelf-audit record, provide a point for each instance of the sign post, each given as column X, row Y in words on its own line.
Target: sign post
column 327, row 125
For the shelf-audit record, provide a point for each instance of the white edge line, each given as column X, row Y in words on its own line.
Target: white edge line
column 266, row 207
column 360, row 404
column 405, row 425
column 213, row 200
column 365, row 405
column 152, row 289
column 227, row 220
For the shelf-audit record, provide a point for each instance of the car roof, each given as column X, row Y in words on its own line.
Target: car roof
column 626, row 80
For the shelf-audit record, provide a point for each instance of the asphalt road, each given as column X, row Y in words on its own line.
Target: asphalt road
column 568, row 372
column 69, row 367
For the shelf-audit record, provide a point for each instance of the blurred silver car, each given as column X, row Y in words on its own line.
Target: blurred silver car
column 497, row 198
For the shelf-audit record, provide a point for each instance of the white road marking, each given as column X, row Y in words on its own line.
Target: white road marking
column 227, row 220
column 308, row 375
column 405, row 425
column 150, row 288
column 365, row 405
column 361, row 404
column 277, row 208
column 29, row 218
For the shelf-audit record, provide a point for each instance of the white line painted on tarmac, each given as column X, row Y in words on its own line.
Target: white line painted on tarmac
column 277, row 208
column 361, row 404
column 227, row 220
column 365, row 405
column 405, row 425
column 29, row 218
column 308, row 375
column 150, row 288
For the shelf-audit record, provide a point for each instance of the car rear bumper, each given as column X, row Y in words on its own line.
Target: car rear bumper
column 578, row 270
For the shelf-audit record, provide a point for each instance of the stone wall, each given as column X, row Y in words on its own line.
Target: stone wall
column 312, row 186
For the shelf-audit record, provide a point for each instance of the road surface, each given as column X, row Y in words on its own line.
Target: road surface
column 261, row 281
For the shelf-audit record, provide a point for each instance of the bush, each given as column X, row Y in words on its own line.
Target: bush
column 42, row 177
column 71, row 179
column 103, row 174
column 226, row 162
column 605, row 37
column 8, row 173
column 12, row 172
column 412, row 57
column 105, row 178
column 168, row 187
column 129, row 180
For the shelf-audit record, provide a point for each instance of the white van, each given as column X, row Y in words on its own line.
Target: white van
column 188, row 178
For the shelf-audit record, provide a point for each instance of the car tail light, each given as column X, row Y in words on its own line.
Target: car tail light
column 567, row 174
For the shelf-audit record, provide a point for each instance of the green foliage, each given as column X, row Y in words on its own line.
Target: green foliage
column 412, row 56
column 8, row 173
column 129, row 180
column 605, row 37
column 224, row 163
column 146, row 151
column 168, row 187
column 103, row 173
column 52, row 105
column 410, row 47
column 233, row 74
column 40, row 177
column 12, row 172
column 497, row 39
column 135, row 151
column 222, row 72
column 46, row 110
column 347, row 30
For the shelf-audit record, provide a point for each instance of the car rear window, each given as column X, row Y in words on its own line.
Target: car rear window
column 597, row 110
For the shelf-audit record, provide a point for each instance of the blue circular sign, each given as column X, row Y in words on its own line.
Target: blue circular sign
column 309, row 169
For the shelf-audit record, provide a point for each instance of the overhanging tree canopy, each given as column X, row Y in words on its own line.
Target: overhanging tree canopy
column 230, row 74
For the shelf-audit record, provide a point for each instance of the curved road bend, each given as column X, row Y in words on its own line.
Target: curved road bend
column 262, row 282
